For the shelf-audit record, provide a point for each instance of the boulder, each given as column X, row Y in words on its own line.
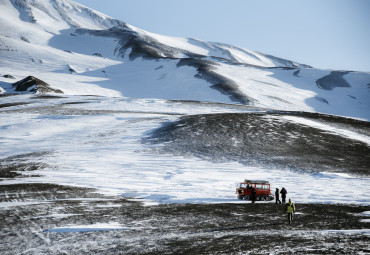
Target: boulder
column 34, row 85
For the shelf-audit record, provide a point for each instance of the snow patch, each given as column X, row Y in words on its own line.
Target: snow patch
column 89, row 228
column 347, row 231
column 6, row 205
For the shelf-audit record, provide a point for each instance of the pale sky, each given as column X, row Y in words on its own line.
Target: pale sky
column 327, row 34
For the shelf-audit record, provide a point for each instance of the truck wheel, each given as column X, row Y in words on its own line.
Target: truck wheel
column 240, row 197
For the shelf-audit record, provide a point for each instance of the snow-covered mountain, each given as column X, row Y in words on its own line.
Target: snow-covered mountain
column 80, row 51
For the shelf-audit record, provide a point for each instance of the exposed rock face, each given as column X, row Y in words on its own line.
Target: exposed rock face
column 333, row 80
column 34, row 85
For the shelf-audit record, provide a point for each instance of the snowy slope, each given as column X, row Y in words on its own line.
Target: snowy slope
column 47, row 39
column 97, row 142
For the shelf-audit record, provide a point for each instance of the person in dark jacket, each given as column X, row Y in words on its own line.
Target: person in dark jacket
column 283, row 194
column 277, row 196
column 290, row 209
column 253, row 195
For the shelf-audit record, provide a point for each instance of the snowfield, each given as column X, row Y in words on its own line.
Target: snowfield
column 96, row 142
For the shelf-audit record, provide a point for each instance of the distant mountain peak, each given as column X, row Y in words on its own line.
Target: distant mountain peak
column 69, row 12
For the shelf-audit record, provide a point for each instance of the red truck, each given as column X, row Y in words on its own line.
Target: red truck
column 263, row 190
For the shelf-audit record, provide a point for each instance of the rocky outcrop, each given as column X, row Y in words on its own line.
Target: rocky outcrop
column 34, row 85
column 334, row 80
column 8, row 76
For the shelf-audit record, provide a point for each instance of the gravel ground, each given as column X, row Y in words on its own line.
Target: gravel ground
column 32, row 215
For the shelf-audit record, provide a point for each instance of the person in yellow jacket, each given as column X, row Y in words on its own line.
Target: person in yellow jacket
column 290, row 209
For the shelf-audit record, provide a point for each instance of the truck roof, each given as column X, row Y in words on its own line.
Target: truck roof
column 256, row 181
